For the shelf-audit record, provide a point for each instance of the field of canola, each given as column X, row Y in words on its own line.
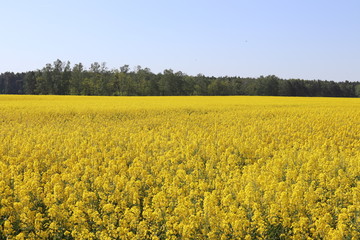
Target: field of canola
column 179, row 168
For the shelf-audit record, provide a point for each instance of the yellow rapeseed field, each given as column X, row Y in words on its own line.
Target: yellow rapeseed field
column 179, row 168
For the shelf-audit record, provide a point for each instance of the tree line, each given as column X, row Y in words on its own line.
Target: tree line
column 60, row 78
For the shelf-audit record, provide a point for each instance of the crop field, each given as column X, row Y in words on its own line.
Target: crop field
column 75, row 167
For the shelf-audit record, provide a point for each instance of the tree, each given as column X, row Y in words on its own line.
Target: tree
column 285, row 88
column 357, row 90
column 76, row 80
column 125, row 68
column 298, row 87
column 188, row 85
column 144, row 84
column 314, row 88
column 11, row 83
column 30, row 82
column 165, row 82
column 56, row 79
column 122, row 84
column 66, row 76
column 218, row 87
column 236, row 86
column 267, row 86
column 60, row 78
column 95, row 84
column 44, row 82
column 347, row 89
column 201, row 85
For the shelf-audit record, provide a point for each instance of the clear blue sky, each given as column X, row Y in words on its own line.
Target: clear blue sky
column 309, row 39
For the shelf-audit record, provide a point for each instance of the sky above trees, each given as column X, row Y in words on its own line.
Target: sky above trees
column 289, row 39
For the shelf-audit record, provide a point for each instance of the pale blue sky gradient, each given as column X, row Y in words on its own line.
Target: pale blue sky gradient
column 309, row 39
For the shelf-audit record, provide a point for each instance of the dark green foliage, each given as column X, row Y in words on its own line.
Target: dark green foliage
column 60, row 79
column 11, row 83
